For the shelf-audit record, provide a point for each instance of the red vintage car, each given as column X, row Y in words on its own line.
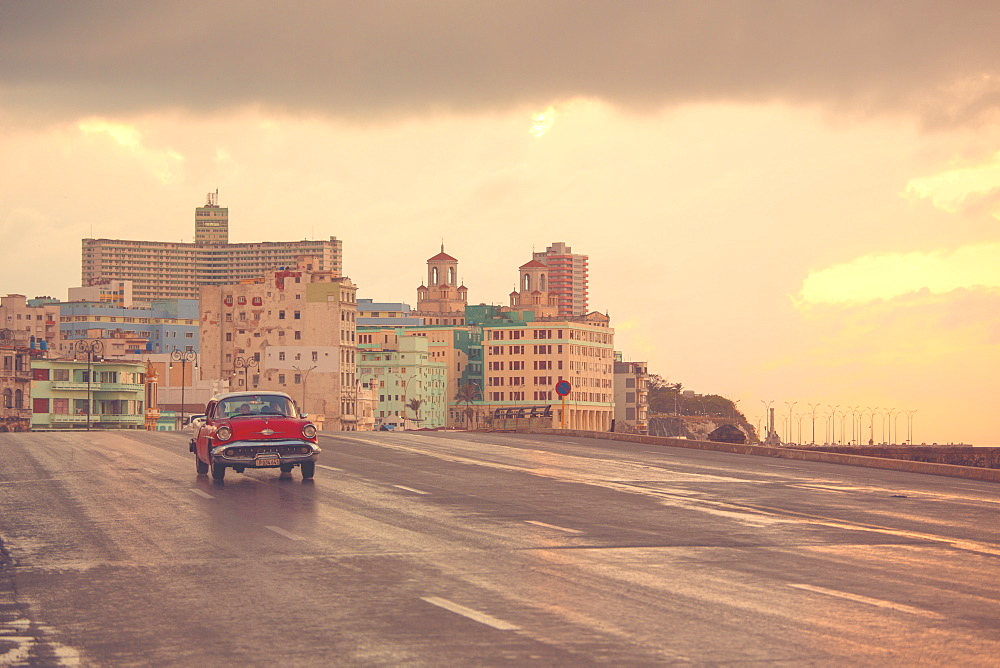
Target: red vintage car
column 254, row 430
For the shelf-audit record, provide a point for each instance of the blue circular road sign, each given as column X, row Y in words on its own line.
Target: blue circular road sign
column 563, row 388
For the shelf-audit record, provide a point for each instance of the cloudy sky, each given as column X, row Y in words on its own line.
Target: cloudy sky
column 781, row 201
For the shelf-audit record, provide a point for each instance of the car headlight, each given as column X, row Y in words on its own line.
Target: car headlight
column 229, row 452
column 309, row 431
column 223, row 433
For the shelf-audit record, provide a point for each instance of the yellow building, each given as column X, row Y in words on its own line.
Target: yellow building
column 522, row 362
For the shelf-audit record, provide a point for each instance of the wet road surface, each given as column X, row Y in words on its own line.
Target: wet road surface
column 487, row 549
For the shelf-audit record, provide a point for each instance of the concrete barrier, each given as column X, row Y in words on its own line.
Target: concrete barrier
column 950, row 470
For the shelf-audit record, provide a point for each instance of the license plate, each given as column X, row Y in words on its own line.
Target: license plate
column 267, row 460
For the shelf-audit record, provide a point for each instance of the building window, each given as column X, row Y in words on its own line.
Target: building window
column 298, row 335
column 296, row 315
column 281, row 379
column 297, row 379
column 281, row 356
column 281, row 315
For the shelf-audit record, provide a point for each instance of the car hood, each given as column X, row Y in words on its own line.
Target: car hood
column 260, row 428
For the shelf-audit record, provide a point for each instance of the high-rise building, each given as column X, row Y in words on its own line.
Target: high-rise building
column 165, row 270
column 567, row 277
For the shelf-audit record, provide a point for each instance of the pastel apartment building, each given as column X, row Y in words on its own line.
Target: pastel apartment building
column 75, row 394
column 631, row 396
column 294, row 331
column 163, row 326
column 35, row 320
column 401, row 375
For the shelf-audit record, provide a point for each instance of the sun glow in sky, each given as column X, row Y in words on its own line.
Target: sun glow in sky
column 953, row 188
column 890, row 275
column 542, row 122
column 819, row 233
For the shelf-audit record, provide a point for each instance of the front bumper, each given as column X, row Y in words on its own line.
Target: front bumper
column 244, row 453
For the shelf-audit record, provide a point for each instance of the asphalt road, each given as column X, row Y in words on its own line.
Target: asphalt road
column 487, row 549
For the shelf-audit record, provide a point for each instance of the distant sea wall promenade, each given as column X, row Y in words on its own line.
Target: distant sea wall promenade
column 958, row 455
column 961, row 461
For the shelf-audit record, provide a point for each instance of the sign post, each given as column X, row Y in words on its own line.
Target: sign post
column 562, row 389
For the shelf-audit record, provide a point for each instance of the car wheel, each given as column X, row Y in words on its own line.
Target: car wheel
column 287, row 468
column 199, row 465
column 308, row 470
column 218, row 471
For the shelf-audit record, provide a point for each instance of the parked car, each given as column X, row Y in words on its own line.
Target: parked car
column 195, row 422
column 254, row 430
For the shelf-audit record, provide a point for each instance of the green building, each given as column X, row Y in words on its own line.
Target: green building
column 404, row 376
column 70, row 394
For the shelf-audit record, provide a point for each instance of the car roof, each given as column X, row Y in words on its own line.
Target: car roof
column 230, row 395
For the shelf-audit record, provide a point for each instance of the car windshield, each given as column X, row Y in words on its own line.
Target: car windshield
column 255, row 405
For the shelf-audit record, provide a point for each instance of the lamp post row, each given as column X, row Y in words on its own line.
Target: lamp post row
column 889, row 419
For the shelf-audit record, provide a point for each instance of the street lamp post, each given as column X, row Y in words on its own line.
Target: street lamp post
column 91, row 347
column 813, row 407
column 855, row 439
column 833, row 424
column 304, row 378
column 909, row 424
column 182, row 356
column 245, row 363
column 790, row 407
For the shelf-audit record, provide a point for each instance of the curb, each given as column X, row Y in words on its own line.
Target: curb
column 905, row 465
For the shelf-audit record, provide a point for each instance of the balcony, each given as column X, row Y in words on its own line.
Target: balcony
column 96, row 387
column 69, row 385
column 63, row 418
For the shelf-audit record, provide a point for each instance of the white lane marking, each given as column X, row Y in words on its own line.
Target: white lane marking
column 329, row 468
column 204, row 495
column 469, row 613
column 287, row 534
column 822, row 488
column 410, row 489
column 552, row 526
column 151, row 471
column 869, row 601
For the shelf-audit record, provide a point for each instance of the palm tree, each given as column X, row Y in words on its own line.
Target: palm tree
column 466, row 394
column 413, row 405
